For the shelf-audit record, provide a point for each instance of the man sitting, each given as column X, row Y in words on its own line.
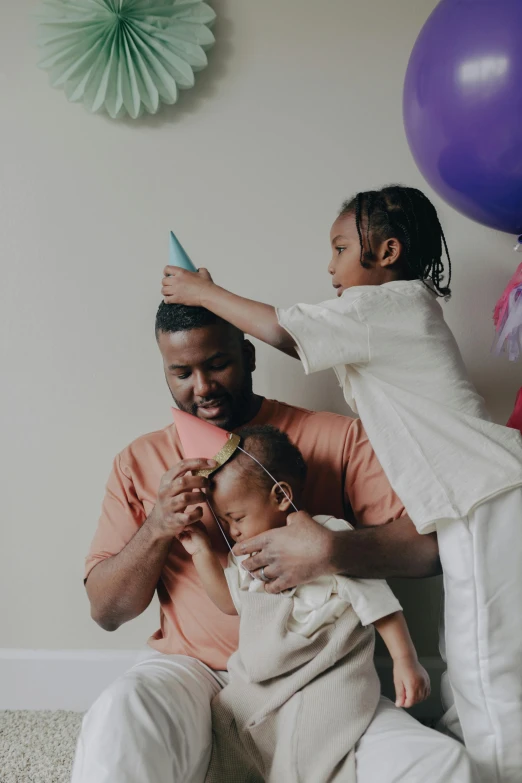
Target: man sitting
column 153, row 725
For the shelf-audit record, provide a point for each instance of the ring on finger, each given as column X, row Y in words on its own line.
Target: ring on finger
column 262, row 575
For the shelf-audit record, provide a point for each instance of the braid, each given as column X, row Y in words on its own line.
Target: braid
column 370, row 203
column 358, row 215
column 409, row 216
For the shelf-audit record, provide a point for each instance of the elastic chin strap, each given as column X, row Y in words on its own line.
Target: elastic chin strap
column 218, row 523
column 277, row 484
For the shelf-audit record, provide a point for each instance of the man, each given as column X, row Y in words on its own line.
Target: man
column 153, row 725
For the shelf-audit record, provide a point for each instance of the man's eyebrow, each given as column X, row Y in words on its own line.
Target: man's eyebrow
column 178, row 366
column 218, row 355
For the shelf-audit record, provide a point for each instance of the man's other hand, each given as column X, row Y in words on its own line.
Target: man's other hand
column 291, row 555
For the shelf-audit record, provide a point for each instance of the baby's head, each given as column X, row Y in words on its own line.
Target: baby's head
column 244, row 497
column 385, row 235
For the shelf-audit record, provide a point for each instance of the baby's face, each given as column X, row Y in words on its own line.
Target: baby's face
column 242, row 506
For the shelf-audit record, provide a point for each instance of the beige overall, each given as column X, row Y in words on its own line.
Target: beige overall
column 295, row 706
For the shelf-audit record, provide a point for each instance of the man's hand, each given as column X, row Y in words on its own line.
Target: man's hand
column 182, row 287
column 179, row 489
column 291, row 555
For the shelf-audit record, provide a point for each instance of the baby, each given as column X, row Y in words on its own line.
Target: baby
column 303, row 687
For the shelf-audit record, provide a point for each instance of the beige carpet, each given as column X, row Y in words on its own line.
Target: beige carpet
column 37, row 747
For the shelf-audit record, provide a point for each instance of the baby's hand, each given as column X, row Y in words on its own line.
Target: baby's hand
column 195, row 538
column 412, row 682
column 182, row 287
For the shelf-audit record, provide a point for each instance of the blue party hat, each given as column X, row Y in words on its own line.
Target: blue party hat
column 178, row 257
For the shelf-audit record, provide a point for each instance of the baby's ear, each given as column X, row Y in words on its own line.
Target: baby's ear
column 283, row 495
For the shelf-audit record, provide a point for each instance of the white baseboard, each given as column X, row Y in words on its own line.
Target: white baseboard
column 73, row 679
column 58, row 679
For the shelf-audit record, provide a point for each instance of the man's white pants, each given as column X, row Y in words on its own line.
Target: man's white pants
column 153, row 725
column 481, row 558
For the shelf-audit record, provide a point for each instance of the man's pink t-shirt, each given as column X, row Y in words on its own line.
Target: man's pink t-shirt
column 345, row 480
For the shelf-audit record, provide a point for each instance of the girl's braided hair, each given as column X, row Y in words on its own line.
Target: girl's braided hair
column 409, row 216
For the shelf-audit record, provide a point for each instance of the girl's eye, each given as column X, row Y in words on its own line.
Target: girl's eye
column 340, row 250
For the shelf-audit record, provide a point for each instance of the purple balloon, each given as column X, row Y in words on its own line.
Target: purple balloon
column 463, row 108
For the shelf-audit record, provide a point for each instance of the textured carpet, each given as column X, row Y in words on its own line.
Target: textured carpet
column 37, row 747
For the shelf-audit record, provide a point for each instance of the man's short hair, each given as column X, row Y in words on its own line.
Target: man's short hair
column 181, row 318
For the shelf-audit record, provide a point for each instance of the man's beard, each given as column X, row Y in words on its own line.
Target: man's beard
column 238, row 404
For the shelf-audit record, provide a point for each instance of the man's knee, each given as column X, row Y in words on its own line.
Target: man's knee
column 448, row 760
column 124, row 700
column 460, row 763
column 145, row 700
column 156, row 720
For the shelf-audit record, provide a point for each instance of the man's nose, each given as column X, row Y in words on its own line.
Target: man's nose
column 203, row 384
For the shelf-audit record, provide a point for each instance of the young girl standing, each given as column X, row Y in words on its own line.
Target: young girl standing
column 455, row 471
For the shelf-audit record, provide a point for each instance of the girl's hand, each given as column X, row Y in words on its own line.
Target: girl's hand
column 182, row 287
column 412, row 682
column 195, row 539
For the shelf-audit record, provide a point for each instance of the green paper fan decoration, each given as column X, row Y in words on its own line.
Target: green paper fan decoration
column 124, row 56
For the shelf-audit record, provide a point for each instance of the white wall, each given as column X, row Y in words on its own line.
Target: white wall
column 301, row 107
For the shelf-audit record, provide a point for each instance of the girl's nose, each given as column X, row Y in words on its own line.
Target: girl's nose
column 331, row 267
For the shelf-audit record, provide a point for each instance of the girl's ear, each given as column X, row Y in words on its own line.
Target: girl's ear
column 281, row 495
column 389, row 252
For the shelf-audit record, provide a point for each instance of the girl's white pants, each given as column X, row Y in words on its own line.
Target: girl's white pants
column 482, row 561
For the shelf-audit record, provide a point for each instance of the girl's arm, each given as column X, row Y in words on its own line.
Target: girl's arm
column 255, row 318
column 412, row 683
column 210, row 571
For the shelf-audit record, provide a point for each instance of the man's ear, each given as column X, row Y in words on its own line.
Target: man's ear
column 249, row 352
column 282, row 495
